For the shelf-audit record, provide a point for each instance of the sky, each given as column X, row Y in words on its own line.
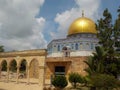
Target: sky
column 32, row 24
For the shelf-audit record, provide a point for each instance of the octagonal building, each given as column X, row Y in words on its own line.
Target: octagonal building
column 80, row 41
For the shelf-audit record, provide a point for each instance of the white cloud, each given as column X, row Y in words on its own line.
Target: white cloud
column 19, row 29
column 64, row 19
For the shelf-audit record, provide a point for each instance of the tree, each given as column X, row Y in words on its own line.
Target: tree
column 112, row 66
column 108, row 35
column 60, row 82
column 95, row 62
column 95, row 66
column 4, row 64
column 75, row 78
column 104, row 65
column 101, row 69
column 1, row 48
column 105, row 28
column 117, row 31
column 104, row 82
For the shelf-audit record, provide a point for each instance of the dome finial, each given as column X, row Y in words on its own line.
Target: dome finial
column 82, row 13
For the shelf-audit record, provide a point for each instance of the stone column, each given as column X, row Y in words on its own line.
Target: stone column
column 28, row 74
column 17, row 76
column 41, row 77
column 8, row 71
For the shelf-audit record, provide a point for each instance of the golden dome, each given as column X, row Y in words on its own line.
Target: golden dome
column 82, row 25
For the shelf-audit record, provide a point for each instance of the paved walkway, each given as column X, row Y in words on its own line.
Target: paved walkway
column 19, row 86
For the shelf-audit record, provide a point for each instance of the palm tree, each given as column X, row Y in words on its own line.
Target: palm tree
column 95, row 62
column 95, row 65
column 101, row 68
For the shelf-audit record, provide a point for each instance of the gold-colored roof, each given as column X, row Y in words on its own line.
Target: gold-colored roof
column 82, row 25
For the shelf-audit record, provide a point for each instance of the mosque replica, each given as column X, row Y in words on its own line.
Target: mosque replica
column 61, row 57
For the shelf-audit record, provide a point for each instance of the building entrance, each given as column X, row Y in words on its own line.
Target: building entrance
column 59, row 70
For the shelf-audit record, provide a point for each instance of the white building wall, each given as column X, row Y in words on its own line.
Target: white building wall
column 75, row 53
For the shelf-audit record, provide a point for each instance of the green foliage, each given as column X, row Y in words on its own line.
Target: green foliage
column 104, row 65
column 75, row 78
column 100, row 63
column 23, row 66
column 99, row 69
column 4, row 63
column 1, row 48
column 13, row 66
column 60, row 81
column 104, row 82
column 117, row 31
column 4, row 66
column 105, row 28
column 108, row 35
column 95, row 62
column 112, row 67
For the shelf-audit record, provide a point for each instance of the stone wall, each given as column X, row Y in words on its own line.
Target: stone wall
column 35, row 60
column 72, row 64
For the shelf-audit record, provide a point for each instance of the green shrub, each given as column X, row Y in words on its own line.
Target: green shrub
column 75, row 78
column 104, row 82
column 60, row 82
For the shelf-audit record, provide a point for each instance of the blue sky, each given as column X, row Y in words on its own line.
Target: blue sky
column 52, row 7
column 32, row 24
column 112, row 5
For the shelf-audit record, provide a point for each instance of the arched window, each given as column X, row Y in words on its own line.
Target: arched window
column 23, row 66
column 58, row 47
column 81, row 46
column 72, row 46
column 91, row 45
column 76, row 46
column 87, row 46
column 4, row 65
column 66, row 51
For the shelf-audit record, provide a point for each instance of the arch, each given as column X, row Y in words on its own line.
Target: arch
column 34, row 69
column 23, row 64
column 66, row 51
column 87, row 46
column 13, row 65
column 81, row 46
column 64, row 48
column 23, row 68
column 72, row 46
column 3, row 65
column 92, row 47
column 76, row 46
column 58, row 47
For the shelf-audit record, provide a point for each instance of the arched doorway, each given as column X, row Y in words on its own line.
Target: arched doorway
column 22, row 69
column 66, row 51
column 59, row 70
column 13, row 66
column 13, row 69
column 4, row 66
column 3, row 69
column 34, row 69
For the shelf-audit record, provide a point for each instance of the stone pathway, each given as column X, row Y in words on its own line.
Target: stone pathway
column 19, row 86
